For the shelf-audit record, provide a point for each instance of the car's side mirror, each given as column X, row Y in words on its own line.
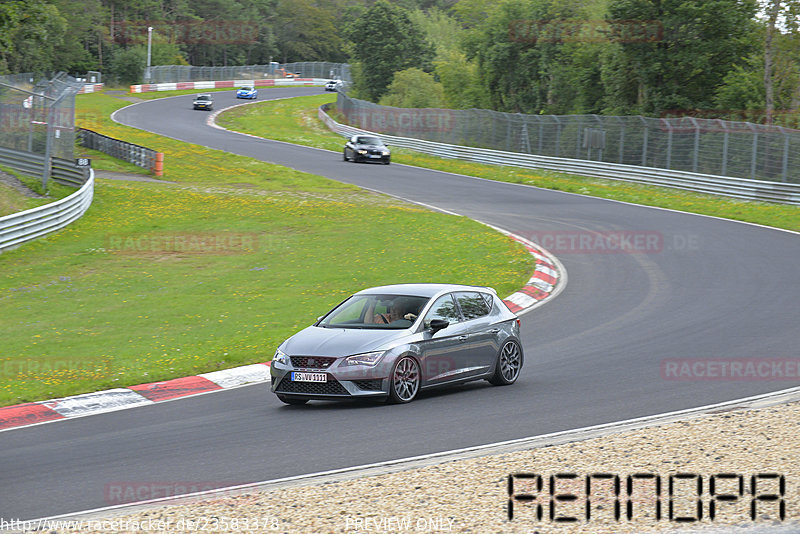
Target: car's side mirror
column 434, row 325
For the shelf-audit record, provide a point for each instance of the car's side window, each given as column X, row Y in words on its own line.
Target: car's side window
column 472, row 304
column 444, row 308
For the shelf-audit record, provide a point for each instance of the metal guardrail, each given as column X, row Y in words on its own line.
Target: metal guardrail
column 140, row 156
column 785, row 193
column 19, row 228
column 62, row 171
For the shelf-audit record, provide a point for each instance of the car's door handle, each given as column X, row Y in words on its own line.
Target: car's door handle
column 462, row 338
column 494, row 330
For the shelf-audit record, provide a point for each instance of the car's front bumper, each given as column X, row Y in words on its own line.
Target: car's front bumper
column 355, row 383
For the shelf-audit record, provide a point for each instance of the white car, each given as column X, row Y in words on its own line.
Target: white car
column 333, row 85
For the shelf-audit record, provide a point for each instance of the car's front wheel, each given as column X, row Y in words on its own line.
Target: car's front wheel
column 509, row 363
column 405, row 381
column 291, row 400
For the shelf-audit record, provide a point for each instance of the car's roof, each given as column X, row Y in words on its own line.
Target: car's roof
column 420, row 290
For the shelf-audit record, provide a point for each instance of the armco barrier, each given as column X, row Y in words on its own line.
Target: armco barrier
column 140, row 156
column 785, row 193
column 19, row 228
column 62, row 171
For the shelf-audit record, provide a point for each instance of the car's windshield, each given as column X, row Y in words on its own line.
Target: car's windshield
column 368, row 141
column 375, row 311
column 203, row 97
column 245, row 88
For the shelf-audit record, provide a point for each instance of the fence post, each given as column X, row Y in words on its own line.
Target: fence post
column 785, row 171
column 644, row 142
column 724, row 147
column 696, row 143
column 669, row 144
column 754, row 155
column 621, row 139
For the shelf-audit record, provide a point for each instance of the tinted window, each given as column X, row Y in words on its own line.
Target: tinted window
column 472, row 305
column 444, row 308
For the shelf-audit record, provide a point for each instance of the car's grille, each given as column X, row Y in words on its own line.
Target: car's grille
column 331, row 387
column 312, row 362
column 369, row 385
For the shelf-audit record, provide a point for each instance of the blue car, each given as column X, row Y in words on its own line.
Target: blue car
column 247, row 91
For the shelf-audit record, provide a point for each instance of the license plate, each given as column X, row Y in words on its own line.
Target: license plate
column 309, row 377
column 374, row 156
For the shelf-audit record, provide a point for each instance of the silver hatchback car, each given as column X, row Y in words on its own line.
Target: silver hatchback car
column 391, row 342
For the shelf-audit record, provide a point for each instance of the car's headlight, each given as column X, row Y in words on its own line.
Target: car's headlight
column 362, row 151
column 280, row 357
column 368, row 358
column 385, row 152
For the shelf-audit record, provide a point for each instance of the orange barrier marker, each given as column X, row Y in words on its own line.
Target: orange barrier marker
column 158, row 167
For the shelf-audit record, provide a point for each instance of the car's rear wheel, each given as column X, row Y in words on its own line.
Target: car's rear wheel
column 404, row 382
column 509, row 363
column 291, row 400
column 344, row 155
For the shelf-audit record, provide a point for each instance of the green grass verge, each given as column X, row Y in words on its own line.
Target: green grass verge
column 295, row 121
column 158, row 281
column 12, row 201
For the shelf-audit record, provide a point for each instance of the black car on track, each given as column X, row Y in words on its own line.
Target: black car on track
column 366, row 148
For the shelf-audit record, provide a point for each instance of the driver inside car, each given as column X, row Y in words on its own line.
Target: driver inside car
column 397, row 310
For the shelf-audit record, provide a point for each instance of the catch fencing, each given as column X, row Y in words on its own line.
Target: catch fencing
column 787, row 193
column 304, row 69
column 140, row 156
column 39, row 116
column 688, row 144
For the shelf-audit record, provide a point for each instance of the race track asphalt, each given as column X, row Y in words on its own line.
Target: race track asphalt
column 707, row 288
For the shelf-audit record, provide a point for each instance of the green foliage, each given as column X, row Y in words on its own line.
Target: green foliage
column 384, row 41
column 414, row 88
column 128, row 65
column 702, row 41
column 30, row 33
column 308, row 30
column 460, row 81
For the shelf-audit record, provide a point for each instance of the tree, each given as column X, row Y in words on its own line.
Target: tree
column 385, row 41
column 413, row 88
column 127, row 65
column 30, row 32
column 307, row 31
column 702, row 41
column 524, row 63
column 789, row 11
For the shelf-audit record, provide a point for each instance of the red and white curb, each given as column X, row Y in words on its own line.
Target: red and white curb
column 121, row 398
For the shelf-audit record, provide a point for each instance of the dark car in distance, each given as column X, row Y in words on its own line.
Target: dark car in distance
column 366, row 148
column 391, row 342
